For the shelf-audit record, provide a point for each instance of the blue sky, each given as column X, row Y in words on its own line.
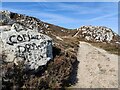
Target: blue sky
column 69, row 14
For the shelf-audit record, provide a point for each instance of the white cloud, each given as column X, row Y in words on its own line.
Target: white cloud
column 102, row 17
column 50, row 17
column 56, row 18
column 77, row 11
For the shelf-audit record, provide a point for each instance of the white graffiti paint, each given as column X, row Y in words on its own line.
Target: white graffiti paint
column 33, row 47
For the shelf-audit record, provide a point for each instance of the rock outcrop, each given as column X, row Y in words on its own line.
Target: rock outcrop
column 5, row 18
column 97, row 34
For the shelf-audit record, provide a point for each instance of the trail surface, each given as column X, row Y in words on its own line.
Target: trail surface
column 97, row 68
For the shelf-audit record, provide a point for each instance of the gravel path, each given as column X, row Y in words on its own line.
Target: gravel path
column 97, row 68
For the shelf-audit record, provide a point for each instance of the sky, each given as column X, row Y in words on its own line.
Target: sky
column 69, row 14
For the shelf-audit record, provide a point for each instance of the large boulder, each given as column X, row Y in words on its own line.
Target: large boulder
column 19, row 43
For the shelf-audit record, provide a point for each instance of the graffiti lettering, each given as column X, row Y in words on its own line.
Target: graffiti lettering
column 29, row 47
column 11, row 41
column 19, row 28
column 14, row 39
column 26, row 51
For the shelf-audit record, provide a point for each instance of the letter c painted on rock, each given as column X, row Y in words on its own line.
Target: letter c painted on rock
column 11, row 42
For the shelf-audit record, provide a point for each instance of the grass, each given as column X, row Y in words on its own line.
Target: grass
column 111, row 48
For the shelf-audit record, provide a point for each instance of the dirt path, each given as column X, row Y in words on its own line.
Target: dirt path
column 97, row 68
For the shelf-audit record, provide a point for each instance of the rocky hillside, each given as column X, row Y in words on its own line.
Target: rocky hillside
column 8, row 18
column 56, row 73
column 59, row 71
column 88, row 33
